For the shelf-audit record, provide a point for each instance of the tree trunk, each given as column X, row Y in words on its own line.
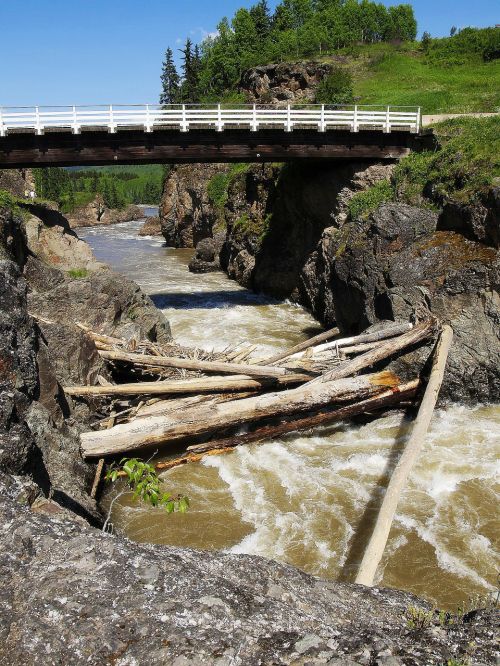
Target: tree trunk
column 204, row 420
column 301, row 347
column 196, row 385
column 376, row 546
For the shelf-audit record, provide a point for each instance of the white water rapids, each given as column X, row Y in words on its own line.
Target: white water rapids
column 307, row 499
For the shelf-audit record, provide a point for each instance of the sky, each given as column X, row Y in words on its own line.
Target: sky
column 56, row 52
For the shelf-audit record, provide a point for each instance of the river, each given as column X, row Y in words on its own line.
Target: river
column 305, row 499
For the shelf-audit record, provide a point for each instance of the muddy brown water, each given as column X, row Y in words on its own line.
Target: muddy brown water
column 308, row 499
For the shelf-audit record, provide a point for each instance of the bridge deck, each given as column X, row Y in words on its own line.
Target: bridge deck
column 123, row 135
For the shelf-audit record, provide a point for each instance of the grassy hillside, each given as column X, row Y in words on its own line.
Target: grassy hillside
column 437, row 80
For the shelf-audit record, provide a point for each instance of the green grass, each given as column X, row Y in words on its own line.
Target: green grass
column 78, row 273
column 462, row 169
column 437, row 81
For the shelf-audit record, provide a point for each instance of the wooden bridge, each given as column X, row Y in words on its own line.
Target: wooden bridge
column 118, row 134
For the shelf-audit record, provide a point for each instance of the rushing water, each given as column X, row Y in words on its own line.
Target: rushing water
column 308, row 500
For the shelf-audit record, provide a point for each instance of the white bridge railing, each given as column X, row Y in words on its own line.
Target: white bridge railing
column 150, row 117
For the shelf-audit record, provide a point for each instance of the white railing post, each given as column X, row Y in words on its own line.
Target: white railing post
column 148, row 119
column 112, row 126
column 2, row 126
column 254, row 118
column 75, row 126
column 387, row 128
column 418, row 120
column 322, row 126
column 38, row 126
column 288, row 119
column 355, row 119
column 220, row 126
column 184, row 123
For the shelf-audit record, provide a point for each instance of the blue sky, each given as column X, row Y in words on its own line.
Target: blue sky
column 102, row 51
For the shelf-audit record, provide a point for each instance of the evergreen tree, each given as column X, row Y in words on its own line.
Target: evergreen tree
column 190, row 73
column 169, row 80
column 261, row 17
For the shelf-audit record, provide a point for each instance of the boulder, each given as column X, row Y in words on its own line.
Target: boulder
column 206, row 258
column 151, row 227
column 70, row 595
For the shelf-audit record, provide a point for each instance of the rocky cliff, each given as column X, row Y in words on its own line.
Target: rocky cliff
column 283, row 83
column 96, row 213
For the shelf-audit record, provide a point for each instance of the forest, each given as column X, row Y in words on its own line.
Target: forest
column 117, row 185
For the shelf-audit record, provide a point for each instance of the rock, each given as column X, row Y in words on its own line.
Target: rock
column 77, row 595
column 17, row 181
column 396, row 264
column 206, row 258
column 283, row 83
column 186, row 212
column 151, row 227
column 478, row 221
column 96, row 213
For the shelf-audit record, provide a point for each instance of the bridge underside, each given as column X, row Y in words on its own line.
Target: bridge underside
column 22, row 150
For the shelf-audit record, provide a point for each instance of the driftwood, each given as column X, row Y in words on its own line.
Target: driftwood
column 385, row 399
column 390, row 347
column 375, row 549
column 194, row 364
column 206, row 420
column 326, row 335
column 197, row 385
column 389, row 331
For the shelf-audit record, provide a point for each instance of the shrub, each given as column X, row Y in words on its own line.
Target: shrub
column 363, row 203
column 336, row 88
column 78, row 273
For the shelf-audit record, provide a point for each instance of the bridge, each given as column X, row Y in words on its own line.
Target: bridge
column 128, row 134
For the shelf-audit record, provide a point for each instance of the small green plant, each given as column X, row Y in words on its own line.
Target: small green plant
column 418, row 619
column 78, row 273
column 364, row 203
column 143, row 481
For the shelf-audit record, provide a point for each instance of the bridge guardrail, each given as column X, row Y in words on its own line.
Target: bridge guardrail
column 219, row 117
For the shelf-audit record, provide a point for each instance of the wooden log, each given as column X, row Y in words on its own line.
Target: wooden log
column 197, row 385
column 97, row 478
column 390, row 331
column 385, row 399
column 197, row 365
column 376, row 546
column 174, row 405
column 390, row 347
column 203, row 420
column 326, row 335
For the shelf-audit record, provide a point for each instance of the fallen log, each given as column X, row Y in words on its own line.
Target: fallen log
column 390, row 347
column 173, row 405
column 195, row 364
column 197, row 385
column 204, row 420
column 376, row 546
column 384, row 333
column 326, row 335
column 385, row 399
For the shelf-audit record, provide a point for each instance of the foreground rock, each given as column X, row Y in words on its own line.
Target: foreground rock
column 151, row 227
column 71, row 595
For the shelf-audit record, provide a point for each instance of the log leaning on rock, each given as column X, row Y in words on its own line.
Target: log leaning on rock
column 206, row 420
column 144, row 360
column 376, row 546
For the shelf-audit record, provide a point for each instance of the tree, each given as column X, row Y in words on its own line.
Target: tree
column 169, row 80
column 190, row 73
column 262, row 20
column 402, row 25
column 426, row 40
column 453, row 30
column 336, row 88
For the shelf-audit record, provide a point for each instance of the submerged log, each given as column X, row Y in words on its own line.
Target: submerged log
column 198, row 385
column 378, row 540
column 205, row 420
column 195, row 364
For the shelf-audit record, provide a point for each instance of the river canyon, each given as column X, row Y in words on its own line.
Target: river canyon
column 306, row 499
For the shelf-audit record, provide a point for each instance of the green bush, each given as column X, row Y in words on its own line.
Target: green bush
column 336, row 88
column 78, row 273
column 364, row 203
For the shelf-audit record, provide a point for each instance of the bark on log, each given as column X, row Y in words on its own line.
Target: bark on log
column 326, row 335
column 194, row 364
column 376, row 546
column 385, row 399
column 198, row 385
column 421, row 332
column 204, row 420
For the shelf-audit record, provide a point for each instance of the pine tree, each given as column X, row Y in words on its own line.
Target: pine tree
column 190, row 73
column 169, row 80
column 262, row 19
